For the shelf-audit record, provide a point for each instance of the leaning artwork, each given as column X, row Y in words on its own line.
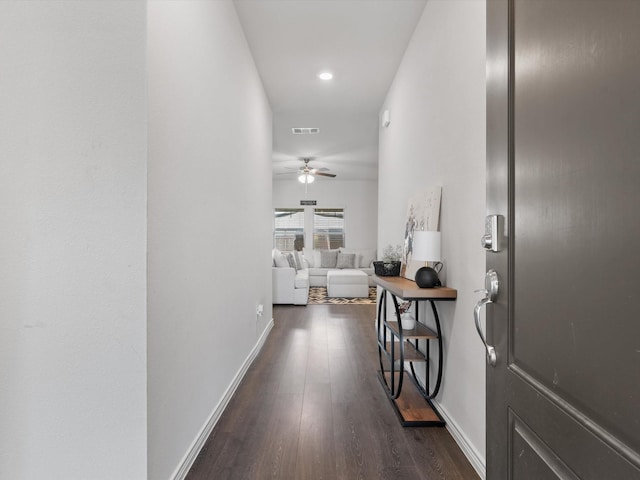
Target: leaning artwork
column 423, row 213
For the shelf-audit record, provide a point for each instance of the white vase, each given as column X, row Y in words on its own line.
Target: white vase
column 408, row 321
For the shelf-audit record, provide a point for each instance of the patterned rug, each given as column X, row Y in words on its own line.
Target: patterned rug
column 318, row 296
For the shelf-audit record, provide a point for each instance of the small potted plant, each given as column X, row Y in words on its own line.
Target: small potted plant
column 390, row 264
column 407, row 320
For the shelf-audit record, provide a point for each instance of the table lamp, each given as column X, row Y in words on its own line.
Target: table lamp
column 426, row 248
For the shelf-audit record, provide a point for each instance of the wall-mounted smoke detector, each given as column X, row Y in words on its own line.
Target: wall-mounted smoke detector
column 305, row 130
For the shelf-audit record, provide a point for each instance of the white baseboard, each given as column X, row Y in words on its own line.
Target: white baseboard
column 191, row 455
column 477, row 462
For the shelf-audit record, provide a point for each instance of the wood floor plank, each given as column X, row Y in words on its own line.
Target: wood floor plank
column 384, row 444
column 316, row 452
column 277, row 456
column 311, row 407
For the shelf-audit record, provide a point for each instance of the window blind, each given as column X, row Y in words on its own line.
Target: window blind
column 328, row 228
column 288, row 229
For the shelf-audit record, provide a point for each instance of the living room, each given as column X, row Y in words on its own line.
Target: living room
column 355, row 204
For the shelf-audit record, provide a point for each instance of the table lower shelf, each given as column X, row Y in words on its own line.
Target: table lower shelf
column 412, row 408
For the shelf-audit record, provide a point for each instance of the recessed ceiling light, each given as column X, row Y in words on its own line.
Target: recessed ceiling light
column 325, row 75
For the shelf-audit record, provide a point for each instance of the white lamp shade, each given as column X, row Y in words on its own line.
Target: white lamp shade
column 306, row 178
column 426, row 246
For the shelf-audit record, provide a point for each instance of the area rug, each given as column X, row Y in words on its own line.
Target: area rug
column 318, row 296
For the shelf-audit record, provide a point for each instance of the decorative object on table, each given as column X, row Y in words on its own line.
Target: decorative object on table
column 426, row 248
column 390, row 264
column 423, row 213
column 407, row 318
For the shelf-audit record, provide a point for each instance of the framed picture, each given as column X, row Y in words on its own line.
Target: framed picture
column 423, row 213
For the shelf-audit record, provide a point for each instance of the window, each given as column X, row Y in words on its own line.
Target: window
column 328, row 228
column 288, row 231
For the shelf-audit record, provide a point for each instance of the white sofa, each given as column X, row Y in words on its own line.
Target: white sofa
column 318, row 274
column 293, row 276
column 290, row 284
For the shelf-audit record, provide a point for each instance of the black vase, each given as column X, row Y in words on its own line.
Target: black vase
column 427, row 277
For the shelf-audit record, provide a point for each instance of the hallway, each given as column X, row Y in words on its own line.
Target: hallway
column 311, row 407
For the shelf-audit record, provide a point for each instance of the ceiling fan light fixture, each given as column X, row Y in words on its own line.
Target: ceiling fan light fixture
column 306, row 178
column 325, row 76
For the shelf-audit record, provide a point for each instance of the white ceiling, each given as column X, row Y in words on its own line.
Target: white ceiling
column 361, row 42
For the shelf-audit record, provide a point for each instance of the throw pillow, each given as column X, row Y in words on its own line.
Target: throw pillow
column 316, row 258
column 281, row 260
column 356, row 253
column 367, row 257
column 346, row 260
column 328, row 258
column 308, row 256
column 297, row 256
column 291, row 261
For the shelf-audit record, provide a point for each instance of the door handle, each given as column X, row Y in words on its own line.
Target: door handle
column 490, row 293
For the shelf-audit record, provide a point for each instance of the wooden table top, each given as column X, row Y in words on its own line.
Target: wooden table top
column 408, row 290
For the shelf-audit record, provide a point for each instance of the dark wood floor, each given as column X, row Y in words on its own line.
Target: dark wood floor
column 311, row 407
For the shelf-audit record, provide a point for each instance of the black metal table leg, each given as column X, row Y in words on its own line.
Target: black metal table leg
column 393, row 389
column 436, row 389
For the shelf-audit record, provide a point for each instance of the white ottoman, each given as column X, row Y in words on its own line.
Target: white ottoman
column 347, row 283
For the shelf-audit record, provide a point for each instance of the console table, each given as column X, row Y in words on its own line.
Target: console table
column 397, row 346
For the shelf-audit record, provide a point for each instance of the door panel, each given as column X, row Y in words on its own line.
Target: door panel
column 531, row 457
column 563, row 167
column 583, row 446
column 574, row 183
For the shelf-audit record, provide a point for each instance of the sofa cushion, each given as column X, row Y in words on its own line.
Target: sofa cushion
column 302, row 279
column 312, row 257
column 318, row 272
column 364, row 257
column 309, row 257
column 346, row 260
column 291, row 260
column 355, row 252
column 367, row 257
column 279, row 259
column 328, row 258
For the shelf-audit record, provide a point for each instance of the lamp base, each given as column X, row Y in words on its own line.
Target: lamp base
column 427, row 277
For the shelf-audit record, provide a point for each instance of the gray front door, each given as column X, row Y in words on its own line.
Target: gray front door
column 563, row 157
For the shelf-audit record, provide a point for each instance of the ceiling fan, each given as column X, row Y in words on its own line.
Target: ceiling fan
column 307, row 174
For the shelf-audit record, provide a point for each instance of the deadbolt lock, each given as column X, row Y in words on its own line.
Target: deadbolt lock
column 493, row 231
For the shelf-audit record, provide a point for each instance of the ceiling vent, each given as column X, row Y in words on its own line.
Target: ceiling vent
column 305, row 130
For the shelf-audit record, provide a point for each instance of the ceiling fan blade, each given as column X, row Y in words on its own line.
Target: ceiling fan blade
column 287, row 173
column 292, row 168
column 325, row 174
column 322, row 169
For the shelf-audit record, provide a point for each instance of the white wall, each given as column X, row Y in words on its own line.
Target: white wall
column 209, row 217
column 358, row 198
column 437, row 137
column 72, row 248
